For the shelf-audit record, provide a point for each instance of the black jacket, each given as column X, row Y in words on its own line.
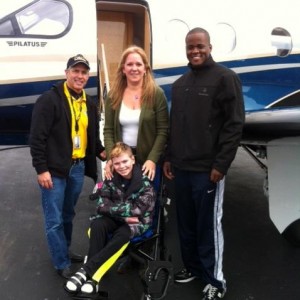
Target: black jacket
column 50, row 134
column 207, row 117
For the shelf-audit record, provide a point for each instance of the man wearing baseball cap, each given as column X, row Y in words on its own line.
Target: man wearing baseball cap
column 78, row 59
column 64, row 144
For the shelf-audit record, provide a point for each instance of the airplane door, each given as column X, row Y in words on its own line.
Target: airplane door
column 120, row 25
column 115, row 33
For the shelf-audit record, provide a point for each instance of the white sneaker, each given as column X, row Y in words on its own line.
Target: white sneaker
column 212, row 293
column 90, row 287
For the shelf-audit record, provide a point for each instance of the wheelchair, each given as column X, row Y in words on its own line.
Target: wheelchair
column 149, row 252
column 157, row 270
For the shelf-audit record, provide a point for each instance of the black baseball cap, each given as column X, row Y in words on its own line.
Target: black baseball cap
column 78, row 59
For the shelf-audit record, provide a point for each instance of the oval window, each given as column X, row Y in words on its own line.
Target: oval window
column 175, row 33
column 223, row 38
column 281, row 40
column 44, row 18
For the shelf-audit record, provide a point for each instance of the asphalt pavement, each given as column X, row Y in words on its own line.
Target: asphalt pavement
column 259, row 264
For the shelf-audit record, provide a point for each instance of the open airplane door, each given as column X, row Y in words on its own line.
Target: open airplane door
column 119, row 25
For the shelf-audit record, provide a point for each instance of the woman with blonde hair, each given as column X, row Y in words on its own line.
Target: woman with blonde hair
column 136, row 112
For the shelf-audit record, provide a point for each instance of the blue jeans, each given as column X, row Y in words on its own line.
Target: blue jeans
column 58, row 206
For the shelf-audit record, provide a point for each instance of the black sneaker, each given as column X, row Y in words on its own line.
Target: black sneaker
column 75, row 257
column 184, row 276
column 212, row 293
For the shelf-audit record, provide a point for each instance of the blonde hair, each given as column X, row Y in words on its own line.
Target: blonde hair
column 120, row 148
column 120, row 82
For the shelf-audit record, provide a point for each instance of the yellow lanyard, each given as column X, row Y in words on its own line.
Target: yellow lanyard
column 71, row 103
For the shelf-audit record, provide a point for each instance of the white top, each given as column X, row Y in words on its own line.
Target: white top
column 129, row 120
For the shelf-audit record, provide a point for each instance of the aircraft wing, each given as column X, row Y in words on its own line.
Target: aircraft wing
column 272, row 123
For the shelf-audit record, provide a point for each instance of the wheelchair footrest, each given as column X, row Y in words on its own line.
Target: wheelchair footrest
column 157, row 278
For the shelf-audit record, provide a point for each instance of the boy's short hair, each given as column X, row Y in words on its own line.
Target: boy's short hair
column 120, row 148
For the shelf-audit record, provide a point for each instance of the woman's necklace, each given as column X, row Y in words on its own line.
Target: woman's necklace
column 136, row 104
column 132, row 98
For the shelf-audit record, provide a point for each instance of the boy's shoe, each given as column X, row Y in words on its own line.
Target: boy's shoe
column 90, row 287
column 212, row 293
column 75, row 282
column 184, row 276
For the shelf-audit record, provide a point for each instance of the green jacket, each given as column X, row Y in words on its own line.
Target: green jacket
column 152, row 133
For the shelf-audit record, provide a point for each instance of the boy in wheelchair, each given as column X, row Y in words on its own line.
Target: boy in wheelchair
column 125, row 208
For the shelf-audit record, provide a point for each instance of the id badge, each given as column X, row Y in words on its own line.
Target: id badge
column 76, row 142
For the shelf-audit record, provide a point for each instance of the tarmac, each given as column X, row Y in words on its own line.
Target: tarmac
column 259, row 264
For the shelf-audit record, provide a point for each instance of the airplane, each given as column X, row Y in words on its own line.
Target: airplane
column 259, row 41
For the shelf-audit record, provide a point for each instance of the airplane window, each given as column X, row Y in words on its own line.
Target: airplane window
column 174, row 33
column 6, row 28
column 281, row 40
column 223, row 38
column 42, row 18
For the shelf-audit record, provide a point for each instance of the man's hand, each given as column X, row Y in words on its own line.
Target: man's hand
column 103, row 155
column 45, row 180
column 216, row 176
column 167, row 170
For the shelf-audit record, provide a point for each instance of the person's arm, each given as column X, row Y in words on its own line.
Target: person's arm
column 145, row 203
column 231, row 132
column 105, row 201
column 41, row 124
column 162, row 126
column 167, row 166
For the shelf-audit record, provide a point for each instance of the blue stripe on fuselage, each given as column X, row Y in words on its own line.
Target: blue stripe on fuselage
column 24, row 89
column 264, row 79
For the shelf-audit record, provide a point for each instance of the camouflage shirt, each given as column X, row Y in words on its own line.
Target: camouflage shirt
column 120, row 198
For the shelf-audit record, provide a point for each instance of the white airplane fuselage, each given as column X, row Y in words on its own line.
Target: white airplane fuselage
column 260, row 41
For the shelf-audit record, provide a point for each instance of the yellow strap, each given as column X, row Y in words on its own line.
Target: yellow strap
column 108, row 264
